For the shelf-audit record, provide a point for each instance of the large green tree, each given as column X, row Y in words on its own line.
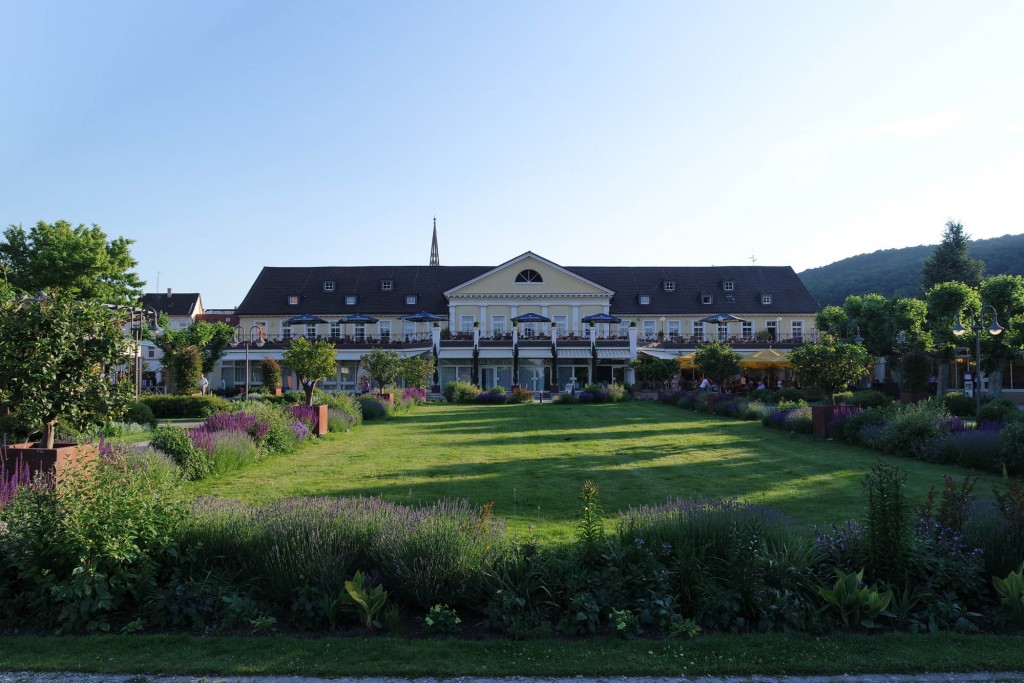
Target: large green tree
column 384, row 366
column 890, row 328
column 58, row 356
column 78, row 261
column 945, row 302
column 417, row 371
column 1006, row 294
column 312, row 362
column 717, row 360
column 830, row 364
column 951, row 261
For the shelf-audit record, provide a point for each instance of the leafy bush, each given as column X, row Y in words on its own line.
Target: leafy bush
column 867, row 399
column 194, row 462
column 971, row 448
column 1011, row 448
column 958, row 404
column 343, row 411
column 1000, row 410
column 374, row 408
column 460, row 392
column 92, row 545
column 271, row 426
column 174, row 407
column 519, row 395
column 141, row 413
column 791, row 394
column 13, row 429
column 226, row 450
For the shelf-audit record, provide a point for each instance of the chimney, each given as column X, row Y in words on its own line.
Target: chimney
column 169, row 292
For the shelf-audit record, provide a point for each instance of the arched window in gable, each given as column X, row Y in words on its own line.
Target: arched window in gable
column 529, row 276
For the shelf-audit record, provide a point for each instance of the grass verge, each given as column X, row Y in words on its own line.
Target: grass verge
column 721, row 655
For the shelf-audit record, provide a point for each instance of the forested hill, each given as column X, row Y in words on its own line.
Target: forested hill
column 897, row 272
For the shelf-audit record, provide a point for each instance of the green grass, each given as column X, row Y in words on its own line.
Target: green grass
column 532, row 459
column 380, row 656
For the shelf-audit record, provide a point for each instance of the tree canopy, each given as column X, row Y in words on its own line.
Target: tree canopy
column 311, row 362
column 57, row 360
column 830, row 364
column 717, row 360
column 951, row 261
column 384, row 366
column 78, row 261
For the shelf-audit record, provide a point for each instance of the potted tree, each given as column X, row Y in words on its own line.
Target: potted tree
column 829, row 365
column 271, row 372
column 384, row 366
column 59, row 360
column 312, row 362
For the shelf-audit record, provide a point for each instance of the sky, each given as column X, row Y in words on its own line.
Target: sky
column 226, row 136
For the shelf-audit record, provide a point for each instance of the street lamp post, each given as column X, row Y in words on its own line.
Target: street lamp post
column 977, row 325
column 254, row 336
column 144, row 314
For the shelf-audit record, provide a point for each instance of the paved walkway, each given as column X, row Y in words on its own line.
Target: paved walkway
column 1000, row 677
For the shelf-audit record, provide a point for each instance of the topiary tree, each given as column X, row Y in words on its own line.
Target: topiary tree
column 384, row 366
column 417, row 370
column 830, row 364
column 717, row 360
column 312, row 362
column 186, row 364
column 271, row 372
column 57, row 361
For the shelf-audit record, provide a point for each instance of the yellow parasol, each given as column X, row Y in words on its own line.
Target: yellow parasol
column 766, row 358
column 686, row 362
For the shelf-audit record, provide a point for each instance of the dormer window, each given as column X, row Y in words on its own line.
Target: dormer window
column 766, row 299
column 529, row 277
column 328, row 285
column 645, row 299
column 670, row 285
column 350, row 299
column 387, row 285
column 707, row 299
column 728, row 285
column 293, row 299
column 410, row 299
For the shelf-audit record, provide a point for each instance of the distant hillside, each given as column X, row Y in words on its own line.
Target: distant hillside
column 892, row 272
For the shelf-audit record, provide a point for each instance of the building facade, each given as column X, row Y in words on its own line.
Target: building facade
column 529, row 315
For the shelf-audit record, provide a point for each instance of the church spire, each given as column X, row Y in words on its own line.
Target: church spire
column 435, row 259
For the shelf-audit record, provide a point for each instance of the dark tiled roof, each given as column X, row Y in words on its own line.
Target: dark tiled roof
column 226, row 318
column 182, row 303
column 269, row 293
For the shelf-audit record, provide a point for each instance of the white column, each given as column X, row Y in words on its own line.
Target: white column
column 632, row 343
column 576, row 318
column 483, row 320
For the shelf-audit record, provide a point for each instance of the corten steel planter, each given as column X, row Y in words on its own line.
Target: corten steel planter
column 321, row 419
column 820, row 417
column 56, row 461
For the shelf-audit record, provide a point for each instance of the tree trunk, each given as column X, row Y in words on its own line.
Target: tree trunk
column 49, row 433
column 309, row 386
column 943, row 376
column 995, row 383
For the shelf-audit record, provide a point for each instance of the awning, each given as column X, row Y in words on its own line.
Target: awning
column 766, row 358
column 687, row 362
column 662, row 354
column 613, row 354
column 573, row 353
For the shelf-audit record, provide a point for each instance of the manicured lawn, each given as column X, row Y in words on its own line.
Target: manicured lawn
column 531, row 460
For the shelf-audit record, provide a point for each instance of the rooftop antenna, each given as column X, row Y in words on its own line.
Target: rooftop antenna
column 158, row 280
column 753, row 259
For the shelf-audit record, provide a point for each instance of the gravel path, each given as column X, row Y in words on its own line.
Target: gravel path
column 999, row 677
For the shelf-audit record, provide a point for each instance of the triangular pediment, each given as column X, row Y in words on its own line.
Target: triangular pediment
column 529, row 275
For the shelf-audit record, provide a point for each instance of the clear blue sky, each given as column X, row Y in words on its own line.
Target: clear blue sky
column 225, row 136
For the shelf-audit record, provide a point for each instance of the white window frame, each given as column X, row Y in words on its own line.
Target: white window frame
column 698, row 330
column 723, row 331
column 499, row 324
column 728, row 286
column 624, row 328
column 408, row 330
column 311, row 330
column 650, row 328
column 387, row 285
column 293, row 299
column 351, row 299
column 748, row 329
column 645, row 300
column 466, row 323
column 359, row 332
column 707, row 299
column 561, row 322
column 337, row 329
column 675, row 329
column 410, row 299
column 384, row 329
column 766, row 299
column 328, row 285
column 773, row 327
column 286, row 332
column 670, row 285
column 796, row 329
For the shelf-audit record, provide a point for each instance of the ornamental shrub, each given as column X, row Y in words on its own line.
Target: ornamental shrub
column 867, row 398
column 519, row 395
column 373, row 408
column 460, row 392
column 958, row 404
column 194, row 462
column 1000, row 410
column 141, row 413
column 1011, row 448
column 173, row 407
